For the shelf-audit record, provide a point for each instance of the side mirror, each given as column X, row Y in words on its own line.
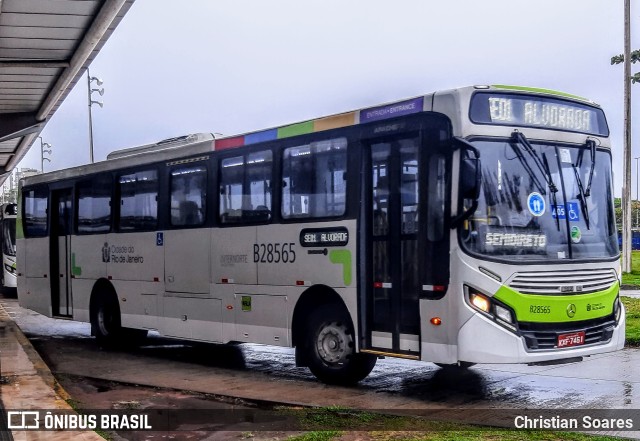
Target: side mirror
column 470, row 180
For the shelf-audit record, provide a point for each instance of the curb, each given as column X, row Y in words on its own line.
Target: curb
column 22, row 383
column 38, row 363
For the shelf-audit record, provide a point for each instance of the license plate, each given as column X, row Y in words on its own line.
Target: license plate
column 573, row 339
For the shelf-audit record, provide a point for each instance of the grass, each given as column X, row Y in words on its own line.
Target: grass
column 633, row 278
column 348, row 424
column 326, row 435
column 632, row 306
column 76, row 406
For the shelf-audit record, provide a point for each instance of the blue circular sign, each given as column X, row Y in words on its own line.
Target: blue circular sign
column 536, row 204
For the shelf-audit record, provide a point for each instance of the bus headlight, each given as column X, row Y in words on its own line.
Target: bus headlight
column 480, row 301
column 499, row 312
column 10, row 269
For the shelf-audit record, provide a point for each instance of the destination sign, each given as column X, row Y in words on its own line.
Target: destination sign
column 324, row 237
column 534, row 111
column 512, row 240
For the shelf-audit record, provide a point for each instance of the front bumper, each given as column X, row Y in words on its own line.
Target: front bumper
column 483, row 341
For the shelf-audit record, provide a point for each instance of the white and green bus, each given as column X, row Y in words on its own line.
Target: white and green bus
column 473, row 225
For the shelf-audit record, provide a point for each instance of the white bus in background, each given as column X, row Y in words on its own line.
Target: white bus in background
column 8, row 214
column 473, row 225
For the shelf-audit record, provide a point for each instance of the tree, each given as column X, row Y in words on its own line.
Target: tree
column 635, row 57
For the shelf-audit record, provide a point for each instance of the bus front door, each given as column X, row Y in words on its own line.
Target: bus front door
column 392, row 288
column 61, row 302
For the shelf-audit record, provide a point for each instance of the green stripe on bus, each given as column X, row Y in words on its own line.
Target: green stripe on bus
column 295, row 129
column 557, row 308
column 75, row 270
column 538, row 90
column 342, row 257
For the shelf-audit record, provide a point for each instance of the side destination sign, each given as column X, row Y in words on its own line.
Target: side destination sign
column 324, row 237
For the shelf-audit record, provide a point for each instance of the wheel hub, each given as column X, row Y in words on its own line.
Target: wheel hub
column 333, row 343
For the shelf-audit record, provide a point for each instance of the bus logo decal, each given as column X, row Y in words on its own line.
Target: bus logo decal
column 571, row 310
column 106, row 257
column 342, row 257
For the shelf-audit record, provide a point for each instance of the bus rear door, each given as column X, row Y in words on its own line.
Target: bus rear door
column 61, row 302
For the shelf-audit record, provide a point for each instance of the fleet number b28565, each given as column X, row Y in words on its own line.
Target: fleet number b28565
column 274, row 252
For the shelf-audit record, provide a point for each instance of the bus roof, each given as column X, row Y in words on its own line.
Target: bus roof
column 379, row 112
column 203, row 143
column 542, row 92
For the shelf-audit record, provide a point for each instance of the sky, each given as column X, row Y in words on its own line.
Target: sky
column 233, row 66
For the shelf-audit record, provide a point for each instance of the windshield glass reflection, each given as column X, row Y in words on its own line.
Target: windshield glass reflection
column 520, row 217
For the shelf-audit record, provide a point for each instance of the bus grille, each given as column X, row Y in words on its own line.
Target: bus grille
column 544, row 336
column 563, row 282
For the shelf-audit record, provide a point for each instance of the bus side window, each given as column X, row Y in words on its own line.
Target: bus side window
column 35, row 212
column 188, row 196
column 94, row 205
column 245, row 188
column 314, row 180
column 138, row 201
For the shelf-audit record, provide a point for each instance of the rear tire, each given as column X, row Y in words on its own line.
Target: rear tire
column 330, row 348
column 105, row 321
column 107, row 328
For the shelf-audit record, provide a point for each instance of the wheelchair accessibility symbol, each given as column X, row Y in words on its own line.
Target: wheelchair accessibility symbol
column 573, row 212
column 536, row 204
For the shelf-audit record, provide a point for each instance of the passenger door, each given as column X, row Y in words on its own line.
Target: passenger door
column 61, row 263
column 406, row 246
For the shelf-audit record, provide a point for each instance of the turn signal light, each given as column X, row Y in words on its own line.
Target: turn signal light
column 436, row 321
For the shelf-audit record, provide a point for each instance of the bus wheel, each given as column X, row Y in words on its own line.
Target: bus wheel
column 331, row 346
column 105, row 321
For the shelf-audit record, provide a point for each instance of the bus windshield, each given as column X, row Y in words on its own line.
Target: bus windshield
column 536, row 203
column 9, row 237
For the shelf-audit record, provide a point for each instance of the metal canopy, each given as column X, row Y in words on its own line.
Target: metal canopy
column 45, row 45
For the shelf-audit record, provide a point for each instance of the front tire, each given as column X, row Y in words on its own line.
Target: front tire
column 331, row 348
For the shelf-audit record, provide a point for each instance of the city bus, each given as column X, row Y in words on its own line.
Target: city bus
column 8, row 214
column 473, row 225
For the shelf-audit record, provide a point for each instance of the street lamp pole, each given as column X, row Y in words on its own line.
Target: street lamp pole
column 637, row 194
column 90, row 102
column 626, row 189
column 44, row 150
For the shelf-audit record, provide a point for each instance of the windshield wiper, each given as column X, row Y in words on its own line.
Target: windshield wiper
column 543, row 167
column 525, row 164
column 585, row 192
column 591, row 145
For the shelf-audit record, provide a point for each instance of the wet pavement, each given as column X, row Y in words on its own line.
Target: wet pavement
column 27, row 383
column 255, row 372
